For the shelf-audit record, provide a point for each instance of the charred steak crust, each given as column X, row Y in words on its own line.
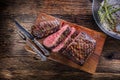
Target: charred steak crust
column 80, row 48
column 36, row 32
column 45, row 30
column 41, row 33
column 75, row 34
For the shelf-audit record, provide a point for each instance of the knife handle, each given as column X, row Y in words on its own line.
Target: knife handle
column 36, row 50
column 45, row 51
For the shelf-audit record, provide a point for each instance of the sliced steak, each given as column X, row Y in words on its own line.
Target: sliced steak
column 80, row 48
column 36, row 32
column 76, row 32
column 62, row 44
column 45, row 28
column 56, row 38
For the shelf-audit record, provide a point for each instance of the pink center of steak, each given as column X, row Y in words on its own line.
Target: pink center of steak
column 56, row 49
column 51, row 40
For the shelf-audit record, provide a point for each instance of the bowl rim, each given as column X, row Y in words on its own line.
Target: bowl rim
column 115, row 35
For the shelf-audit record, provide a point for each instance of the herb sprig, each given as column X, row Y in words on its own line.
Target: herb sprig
column 105, row 13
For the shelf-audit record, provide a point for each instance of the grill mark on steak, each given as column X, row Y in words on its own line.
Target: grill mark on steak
column 71, row 43
column 44, row 29
column 80, row 48
column 41, row 33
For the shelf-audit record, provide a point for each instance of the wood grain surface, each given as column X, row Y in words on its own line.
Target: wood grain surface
column 18, row 64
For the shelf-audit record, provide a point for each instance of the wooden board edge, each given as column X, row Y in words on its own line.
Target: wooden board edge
column 101, row 36
column 27, row 48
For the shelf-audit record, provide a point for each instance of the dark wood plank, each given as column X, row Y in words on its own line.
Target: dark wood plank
column 15, row 61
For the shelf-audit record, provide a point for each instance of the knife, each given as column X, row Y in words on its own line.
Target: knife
column 26, row 35
column 36, row 50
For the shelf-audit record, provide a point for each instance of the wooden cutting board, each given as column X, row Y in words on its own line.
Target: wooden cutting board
column 91, row 63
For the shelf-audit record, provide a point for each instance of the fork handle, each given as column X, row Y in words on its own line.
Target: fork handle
column 34, row 48
column 45, row 51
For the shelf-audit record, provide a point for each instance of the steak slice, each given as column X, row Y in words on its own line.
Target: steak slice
column 56, row 38
column 80, row 48
column 61, row 45
column 69, row 41
column 45, row 28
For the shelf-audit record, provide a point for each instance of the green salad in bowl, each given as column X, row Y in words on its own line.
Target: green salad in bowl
column 107, row 16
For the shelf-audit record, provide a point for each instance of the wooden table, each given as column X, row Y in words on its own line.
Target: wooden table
column 17, row 64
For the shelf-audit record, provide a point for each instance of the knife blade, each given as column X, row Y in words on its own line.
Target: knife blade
column 31, row 37
column 32, row 42
column 24, row 31
column 42, row 57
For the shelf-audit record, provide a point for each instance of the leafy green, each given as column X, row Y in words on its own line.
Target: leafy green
column 105, row 13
